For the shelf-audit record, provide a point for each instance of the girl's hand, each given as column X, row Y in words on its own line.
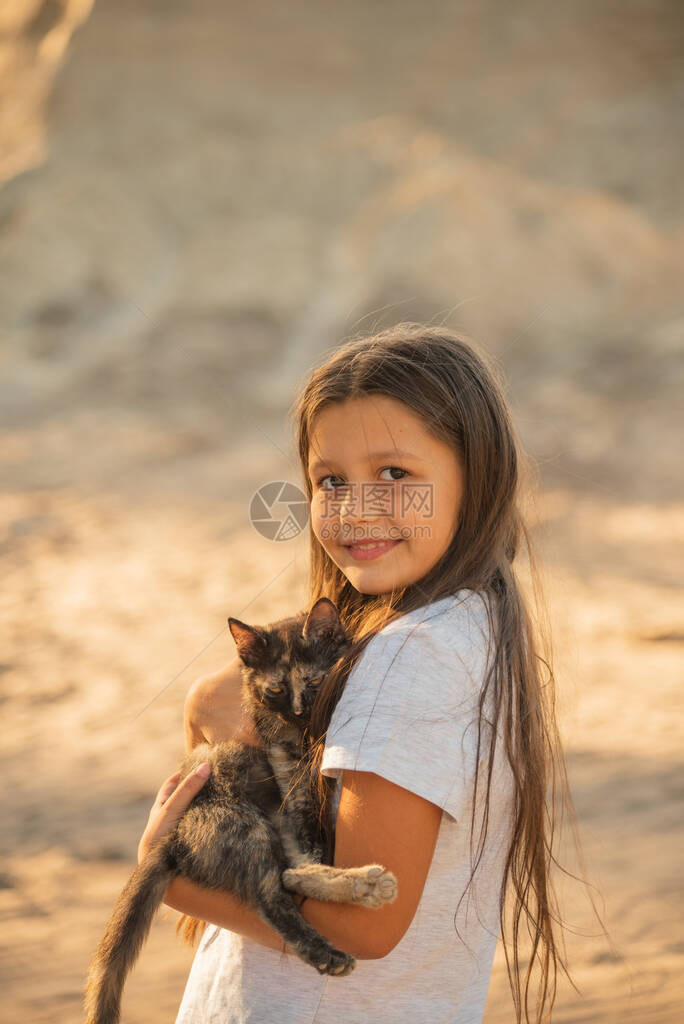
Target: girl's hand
column 171, row 802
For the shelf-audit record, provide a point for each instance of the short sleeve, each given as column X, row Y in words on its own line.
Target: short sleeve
column 410, row 707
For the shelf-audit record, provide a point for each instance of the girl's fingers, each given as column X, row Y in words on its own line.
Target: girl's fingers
column 172, row 802
column 167, row 787
column 182, row 794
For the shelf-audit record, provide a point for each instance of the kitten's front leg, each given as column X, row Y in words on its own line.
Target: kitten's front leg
column 307, row 829
column 300, row 825
column 292, row 848
column 300, row 845
column 367, row 886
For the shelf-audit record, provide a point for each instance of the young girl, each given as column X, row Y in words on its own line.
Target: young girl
column 436, row 740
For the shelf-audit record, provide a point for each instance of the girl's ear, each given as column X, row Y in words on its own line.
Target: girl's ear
column 250, row 643
column 323, row 620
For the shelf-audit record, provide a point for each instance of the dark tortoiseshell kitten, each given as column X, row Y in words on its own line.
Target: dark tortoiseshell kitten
column 253, row 827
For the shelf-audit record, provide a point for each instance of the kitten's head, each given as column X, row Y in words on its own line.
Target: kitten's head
column 285, row 662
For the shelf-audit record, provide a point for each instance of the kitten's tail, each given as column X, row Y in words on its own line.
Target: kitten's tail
column 125, row 934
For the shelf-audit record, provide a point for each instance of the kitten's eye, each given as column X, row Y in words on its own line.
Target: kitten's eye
column 316, row 682
column 274, row 689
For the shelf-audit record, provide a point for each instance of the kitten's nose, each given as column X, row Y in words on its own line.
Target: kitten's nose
column 297, row 703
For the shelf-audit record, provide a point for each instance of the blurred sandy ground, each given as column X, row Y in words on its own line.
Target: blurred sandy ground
column 199, row 201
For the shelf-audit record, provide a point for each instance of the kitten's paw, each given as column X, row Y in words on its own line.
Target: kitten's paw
column 373, row 886
column 289, row 879
column 336, row 963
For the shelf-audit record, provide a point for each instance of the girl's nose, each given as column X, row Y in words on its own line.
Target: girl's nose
column 350, row 507
column 349, row 501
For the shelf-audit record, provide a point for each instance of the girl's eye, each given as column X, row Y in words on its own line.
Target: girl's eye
column 398, row 469
column 328, row 477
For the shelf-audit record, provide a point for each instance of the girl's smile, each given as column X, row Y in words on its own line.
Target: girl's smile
column 366, row 550
column 386, row 493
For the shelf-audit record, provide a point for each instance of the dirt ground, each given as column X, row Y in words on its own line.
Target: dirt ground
column 108, row 598
column 184, row 238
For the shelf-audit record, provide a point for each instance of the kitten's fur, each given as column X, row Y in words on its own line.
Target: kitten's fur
column 253, row 827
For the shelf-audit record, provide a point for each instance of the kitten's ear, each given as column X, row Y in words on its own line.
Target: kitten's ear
column 323, row 620
column 249, row 641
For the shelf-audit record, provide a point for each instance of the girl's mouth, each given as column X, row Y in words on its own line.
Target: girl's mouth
column 365, row 551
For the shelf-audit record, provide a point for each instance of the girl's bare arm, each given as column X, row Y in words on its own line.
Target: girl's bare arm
column 377, row 822
column 213, row 709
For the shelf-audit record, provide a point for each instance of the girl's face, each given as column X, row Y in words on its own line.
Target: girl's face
column 386, row 493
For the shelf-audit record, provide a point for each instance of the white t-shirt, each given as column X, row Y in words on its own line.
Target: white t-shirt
column 408, row 713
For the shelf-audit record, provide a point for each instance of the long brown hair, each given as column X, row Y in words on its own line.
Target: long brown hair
column 458, row 393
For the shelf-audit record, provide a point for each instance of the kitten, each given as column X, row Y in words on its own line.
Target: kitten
column 253, row 828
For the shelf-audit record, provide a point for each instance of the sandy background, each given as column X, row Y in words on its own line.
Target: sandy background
column 199, row 201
